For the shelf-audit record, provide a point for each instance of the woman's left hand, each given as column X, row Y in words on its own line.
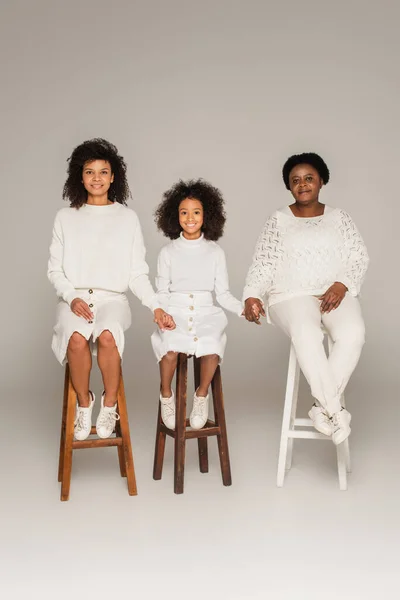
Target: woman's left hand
column 163, row 319
column 333, row 297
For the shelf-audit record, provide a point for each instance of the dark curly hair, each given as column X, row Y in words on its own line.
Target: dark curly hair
column 167, row 213
column 96, row 149
column 306, row 158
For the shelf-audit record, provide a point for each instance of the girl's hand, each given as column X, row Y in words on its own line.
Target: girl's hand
column 253, row 308
column 81, row 309
column 163, row 320
column 333, row 297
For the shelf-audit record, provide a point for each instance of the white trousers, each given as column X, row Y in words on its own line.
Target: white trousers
column 301, row 319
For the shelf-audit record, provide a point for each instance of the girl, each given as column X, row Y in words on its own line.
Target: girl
column 96, row 253
column 190, row 268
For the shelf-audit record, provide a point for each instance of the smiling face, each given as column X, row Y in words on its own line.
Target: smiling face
column 191, row 218
column 97, row 177
column 305, row 184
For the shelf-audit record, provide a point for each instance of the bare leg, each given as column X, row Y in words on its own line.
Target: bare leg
column 109, row 362
column 167, row 370
column 80, row 363
column 208, row 366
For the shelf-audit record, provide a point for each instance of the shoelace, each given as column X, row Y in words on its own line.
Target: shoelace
column 81, row 420
column 198, row 406
column 335, row 420
column 107, row 419
column 169, row 409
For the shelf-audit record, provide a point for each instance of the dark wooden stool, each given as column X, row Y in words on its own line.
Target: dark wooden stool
column 181, row 433
column 121, row 439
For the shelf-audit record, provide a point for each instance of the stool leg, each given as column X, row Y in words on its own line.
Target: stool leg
column 341, row 462
column 121, row 456
column 180, row 426
column 293, row 417
column 126, row 439
column 159, row 449
column 346, row 444
column 69, row 437
column 63, row 424
column 287, row 413
column 201, row 441
column 222, row 437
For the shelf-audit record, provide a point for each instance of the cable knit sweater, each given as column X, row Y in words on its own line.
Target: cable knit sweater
column 298, row 256
column 99, row 247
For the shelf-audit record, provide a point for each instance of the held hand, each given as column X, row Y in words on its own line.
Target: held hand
column 163, row 320
column 253, row 309
column 81, row 309
column 333, row 297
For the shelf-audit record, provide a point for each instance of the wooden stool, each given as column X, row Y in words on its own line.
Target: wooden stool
column 68, row 444
column 181, row 433
column 294, row 427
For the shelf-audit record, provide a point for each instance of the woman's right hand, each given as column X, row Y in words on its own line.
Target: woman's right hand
column 253, row 308
column 81, row 309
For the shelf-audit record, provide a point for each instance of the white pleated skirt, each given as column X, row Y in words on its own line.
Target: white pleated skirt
column 111, row 313
column 200, row 327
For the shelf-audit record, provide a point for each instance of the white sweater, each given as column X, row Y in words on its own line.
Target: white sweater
column 186, row 266
column 99, row 247
column 298, row 256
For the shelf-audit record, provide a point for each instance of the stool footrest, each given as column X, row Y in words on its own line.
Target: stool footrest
column 302, row 422
column 208, row 430
column 97, row 443
column 307, row 435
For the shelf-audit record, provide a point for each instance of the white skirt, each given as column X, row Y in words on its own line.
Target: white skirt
column 200, row 327
column 111, row 313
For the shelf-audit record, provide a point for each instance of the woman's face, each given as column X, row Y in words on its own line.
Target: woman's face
column 305, row 184
column 97, row 177
column 191, row 218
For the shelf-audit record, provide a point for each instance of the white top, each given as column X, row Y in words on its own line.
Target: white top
column 99, row 247
column 298, row 256
column 194, row 266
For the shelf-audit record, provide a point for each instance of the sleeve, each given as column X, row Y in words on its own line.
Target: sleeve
column 55, row 271
column 163, row 278
column 355, row 257
column 139, row 282
column 265, row 258
column 221, row 286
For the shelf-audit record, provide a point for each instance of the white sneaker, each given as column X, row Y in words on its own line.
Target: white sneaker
column 105, row 423
column 199, row 414
column 320, row 420
column 340, row 426
column 83, row 420
column 168, row 411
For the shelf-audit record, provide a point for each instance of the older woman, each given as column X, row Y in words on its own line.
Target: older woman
column 310, row 262
column 96, row 253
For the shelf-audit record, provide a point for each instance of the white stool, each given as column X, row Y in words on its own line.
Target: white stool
column 293, row 427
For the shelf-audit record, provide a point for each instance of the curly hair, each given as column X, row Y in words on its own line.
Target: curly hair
column 306, row 158
column 167, row 213
column 96, row 149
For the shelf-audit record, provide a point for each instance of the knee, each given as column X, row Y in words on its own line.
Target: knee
column 353, row 335
column 211, row 357
column 106, row 340
column 170, row 357
column 307, row 335
column 77, row 343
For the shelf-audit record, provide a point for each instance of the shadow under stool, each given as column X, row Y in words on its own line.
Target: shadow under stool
column 121, row 439
column 182, row 432
column 294, row 427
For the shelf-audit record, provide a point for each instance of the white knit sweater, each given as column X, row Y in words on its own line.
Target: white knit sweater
column 194, row 266
column 99, row 247
column 298, row 256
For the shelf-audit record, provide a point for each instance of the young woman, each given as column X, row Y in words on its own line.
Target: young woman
column 310, row 261
column 96, row 253
column 190, row 268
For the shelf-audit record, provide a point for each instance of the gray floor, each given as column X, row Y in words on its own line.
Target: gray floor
column 252, row 540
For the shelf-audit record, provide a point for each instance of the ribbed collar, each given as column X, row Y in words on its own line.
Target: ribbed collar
column 184, row 243
column 104, row 209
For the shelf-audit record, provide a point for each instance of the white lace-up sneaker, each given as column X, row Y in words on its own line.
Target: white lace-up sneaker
column 199, row 414
column 168, row 411
column 105, row 423
column 83, row 420
column 320, row 420
column 340, row 426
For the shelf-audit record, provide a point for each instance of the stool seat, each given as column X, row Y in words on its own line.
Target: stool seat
column 181, row 433
column 121, row 439
column 302, row 428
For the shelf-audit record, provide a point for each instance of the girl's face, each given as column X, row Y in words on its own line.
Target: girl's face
column 305, row 184
column 191, row 218
column 97, row 177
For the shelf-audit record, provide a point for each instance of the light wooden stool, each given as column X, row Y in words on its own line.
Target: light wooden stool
column 121, row 439
column 293, row 427
column 181, row 433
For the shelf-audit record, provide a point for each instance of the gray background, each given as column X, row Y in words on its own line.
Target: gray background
column 225, row 90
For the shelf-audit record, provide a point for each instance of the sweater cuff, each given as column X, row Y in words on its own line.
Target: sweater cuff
column 250, row 292
column 70, row 296
column 351, row 288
